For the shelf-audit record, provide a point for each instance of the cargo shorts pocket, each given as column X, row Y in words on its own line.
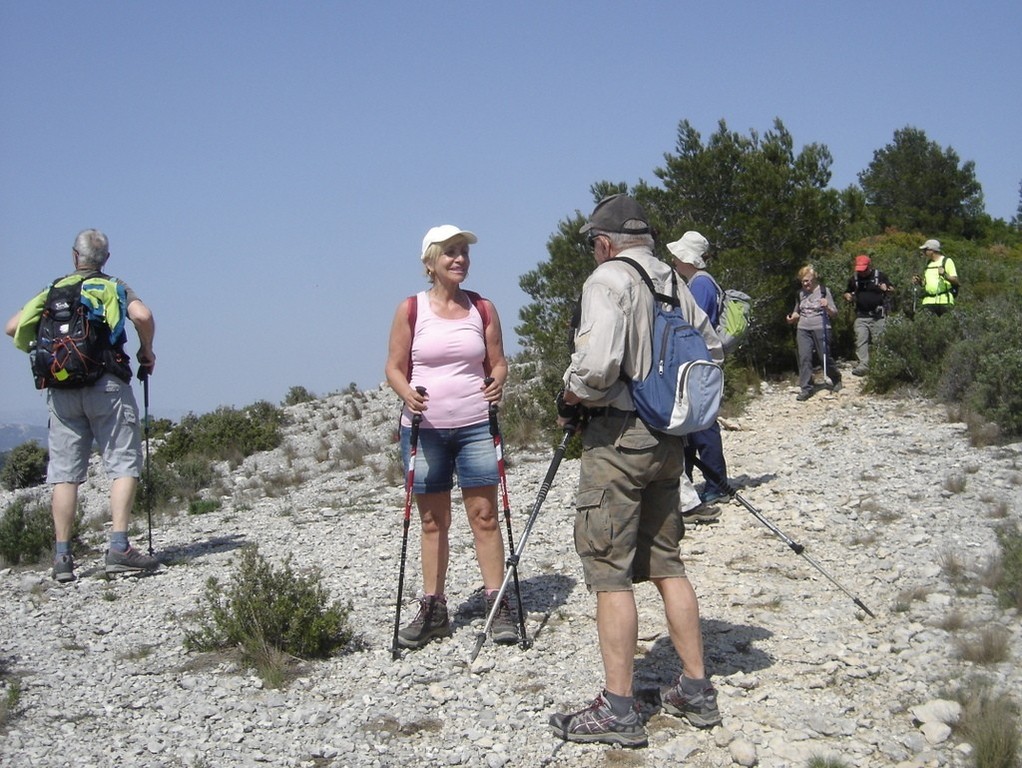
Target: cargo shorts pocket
column 592, row 524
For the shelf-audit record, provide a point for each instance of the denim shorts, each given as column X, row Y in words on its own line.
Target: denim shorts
column 104, row 413
column 467, row 451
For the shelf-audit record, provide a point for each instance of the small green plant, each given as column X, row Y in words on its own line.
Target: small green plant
column 826, row 762
column 11, row 699
column 271, row 615
column 1008, row 585
column 203, row 506
column 25, row 466
column 25, row 533
column 990, row 723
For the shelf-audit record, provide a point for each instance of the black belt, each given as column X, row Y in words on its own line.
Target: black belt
column 607, row 411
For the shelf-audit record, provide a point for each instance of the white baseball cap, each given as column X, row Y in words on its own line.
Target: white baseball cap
column 442, row 234
column 931, row 245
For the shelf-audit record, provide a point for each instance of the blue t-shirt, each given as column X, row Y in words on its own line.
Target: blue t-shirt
column 707, row 296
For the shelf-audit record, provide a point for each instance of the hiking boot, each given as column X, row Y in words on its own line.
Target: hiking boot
column 704, row 513
column 700, row 709
column 712, row 497
column 836, row 386
column 598, row 723
column 64, row 569
column 503, row 630
column 130, row 561
column 431, row 621
column 803, row 396
column 860, row 370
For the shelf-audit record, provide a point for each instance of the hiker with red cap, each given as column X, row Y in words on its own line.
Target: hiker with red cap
column 870, row 289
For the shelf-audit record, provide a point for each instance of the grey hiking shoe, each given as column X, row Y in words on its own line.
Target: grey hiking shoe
column 700, row 709
column 431, row 621
column 130, row 561
column 503, row 630
column 64, row 569
column 598, row 723
column 704, row 513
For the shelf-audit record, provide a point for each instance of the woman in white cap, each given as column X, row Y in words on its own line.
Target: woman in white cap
column 447, row 340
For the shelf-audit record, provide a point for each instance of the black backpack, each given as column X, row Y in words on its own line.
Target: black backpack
column 73, row 348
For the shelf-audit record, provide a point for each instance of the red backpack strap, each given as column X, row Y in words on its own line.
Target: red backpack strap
column 480, row 304
column 483, row 309
column 413, row 312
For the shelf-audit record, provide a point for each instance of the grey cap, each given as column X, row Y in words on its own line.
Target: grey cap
column 618, row 213
column 931, row 245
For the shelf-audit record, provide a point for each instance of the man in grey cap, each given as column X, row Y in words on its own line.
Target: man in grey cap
column 627, row 523
column 939, row 279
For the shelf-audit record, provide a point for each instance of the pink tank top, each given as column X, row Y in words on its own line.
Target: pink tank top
column 447, row 359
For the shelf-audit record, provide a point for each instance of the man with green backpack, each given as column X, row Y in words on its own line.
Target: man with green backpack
column 689, row 262
column 74, row 332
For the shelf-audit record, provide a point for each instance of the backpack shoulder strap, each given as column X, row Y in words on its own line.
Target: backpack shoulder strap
column 480, row 304
column 657, row 296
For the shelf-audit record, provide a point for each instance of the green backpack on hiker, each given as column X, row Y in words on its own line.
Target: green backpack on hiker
column 735, row 317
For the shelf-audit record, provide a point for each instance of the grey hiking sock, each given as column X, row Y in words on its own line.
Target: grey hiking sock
column 619, row 705
column 119, row 541
column 690, row 686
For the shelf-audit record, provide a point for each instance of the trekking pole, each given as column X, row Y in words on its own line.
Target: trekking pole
column 825, row 318
column 795, row 547
column 569, row 430
column 395, row 650
column 143, row 375
column 498, row 446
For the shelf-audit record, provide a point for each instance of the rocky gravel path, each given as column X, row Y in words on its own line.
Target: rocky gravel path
column 885, row 494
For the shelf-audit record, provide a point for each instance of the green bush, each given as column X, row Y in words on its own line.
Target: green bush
column 25, row 466
column 25, row 534
column 264, row 610
column 972, row 356
column 298, row 394
column 225, row 434
column 910, row 352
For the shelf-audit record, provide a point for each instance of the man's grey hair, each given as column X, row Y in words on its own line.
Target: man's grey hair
column 620, row 240
column 93, row 248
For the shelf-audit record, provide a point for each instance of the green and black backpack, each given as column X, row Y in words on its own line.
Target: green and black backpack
column 74, row 345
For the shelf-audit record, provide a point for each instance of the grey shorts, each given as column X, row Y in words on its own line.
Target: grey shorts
column 104, row 413
column 628, row 523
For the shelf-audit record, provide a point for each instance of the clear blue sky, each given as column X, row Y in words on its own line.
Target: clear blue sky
column 266, row 170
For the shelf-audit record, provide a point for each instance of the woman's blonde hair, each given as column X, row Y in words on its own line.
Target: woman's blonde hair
column 433, row 253
column 808, row 269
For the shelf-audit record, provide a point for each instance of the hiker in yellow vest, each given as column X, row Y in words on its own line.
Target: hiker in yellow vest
column 939, row 280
